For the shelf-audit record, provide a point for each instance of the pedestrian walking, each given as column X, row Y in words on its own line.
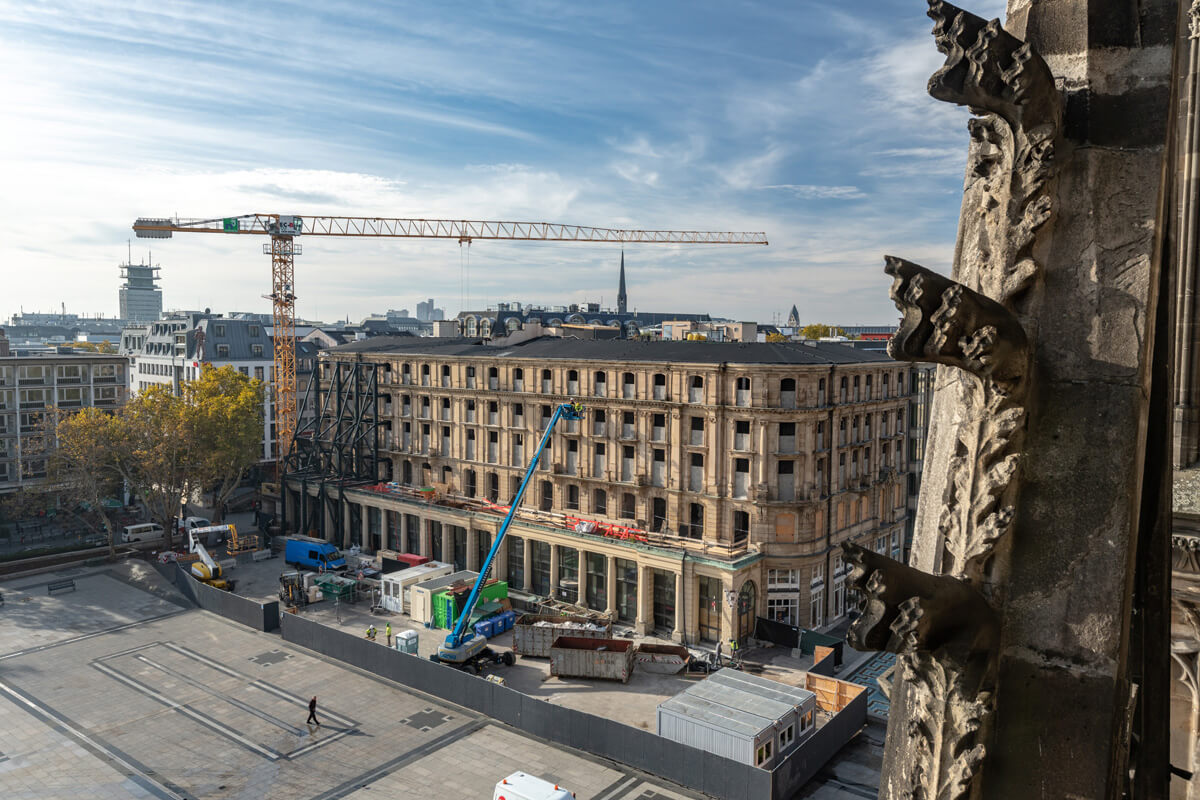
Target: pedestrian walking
column 388, row 631
column 312, row 712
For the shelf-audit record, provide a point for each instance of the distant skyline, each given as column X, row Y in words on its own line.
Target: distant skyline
column 807, row 120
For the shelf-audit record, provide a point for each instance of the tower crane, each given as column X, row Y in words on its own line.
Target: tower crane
column 283, row 248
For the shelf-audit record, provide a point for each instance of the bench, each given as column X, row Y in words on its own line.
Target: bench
column 60, row 586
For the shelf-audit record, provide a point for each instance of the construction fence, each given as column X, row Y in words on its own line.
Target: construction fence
column 687, row 766
column 843, row 705
column 260, row 616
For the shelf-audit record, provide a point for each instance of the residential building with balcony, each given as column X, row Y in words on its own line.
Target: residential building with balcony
column 709, row 483
column 32, row 386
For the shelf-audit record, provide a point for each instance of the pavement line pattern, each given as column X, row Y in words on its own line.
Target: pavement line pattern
column 94, row 634
column 348, row 725
column 223, row 730
column 417, row 753
column 233, row 701
column 617, row 787
column 115, row 758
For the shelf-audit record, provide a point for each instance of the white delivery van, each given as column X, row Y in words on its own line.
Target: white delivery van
column 143, row 532
column 192, row 523
column 520, row 786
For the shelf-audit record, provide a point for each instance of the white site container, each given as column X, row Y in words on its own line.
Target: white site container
column 420, row 605
column 742, row 717
column 395, row 586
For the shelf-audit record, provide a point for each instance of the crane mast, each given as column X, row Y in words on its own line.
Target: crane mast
column 284, row 228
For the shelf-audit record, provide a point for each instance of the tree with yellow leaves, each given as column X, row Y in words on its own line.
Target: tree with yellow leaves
column 83, row 468
column 225, row 413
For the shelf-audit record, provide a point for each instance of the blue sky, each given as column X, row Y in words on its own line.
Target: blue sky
column 806, row 119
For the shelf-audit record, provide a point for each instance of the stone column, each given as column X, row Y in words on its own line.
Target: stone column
column 500, row 562
column 680, row 607
column 345, row 508
column 1186, row 400
column 554, row 567
column 527, row 564
column 583, row 573
column 472, row 550
column 1049, row 336
column 447, row 544
column 365, row 523
column 645, row 601
column 423, row 548
column 611, row 581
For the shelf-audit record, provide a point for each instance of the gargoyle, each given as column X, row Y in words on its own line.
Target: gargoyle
column 906, row 610
column 947, row 323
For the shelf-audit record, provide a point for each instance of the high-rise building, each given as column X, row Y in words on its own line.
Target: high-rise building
column 426, row 312
column 141, row 299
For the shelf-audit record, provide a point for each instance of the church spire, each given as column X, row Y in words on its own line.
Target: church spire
column 621, row 300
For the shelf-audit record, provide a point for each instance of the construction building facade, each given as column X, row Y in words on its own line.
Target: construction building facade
column 708, row 484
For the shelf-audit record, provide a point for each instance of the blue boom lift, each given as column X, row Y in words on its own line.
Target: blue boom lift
column 464, row 648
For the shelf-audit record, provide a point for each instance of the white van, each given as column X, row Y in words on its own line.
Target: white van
column 520, row 786
column 145, row 532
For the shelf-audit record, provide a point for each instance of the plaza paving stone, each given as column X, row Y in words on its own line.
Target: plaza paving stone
column 116, row 690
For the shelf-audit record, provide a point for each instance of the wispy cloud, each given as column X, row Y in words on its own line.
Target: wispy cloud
column 813, row 192
column 761, row 117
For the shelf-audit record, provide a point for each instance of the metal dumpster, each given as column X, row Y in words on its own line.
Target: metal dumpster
column 664, row 659
column 574, row 657
column 534, row 633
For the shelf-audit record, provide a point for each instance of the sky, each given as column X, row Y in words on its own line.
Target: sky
column 807, row 120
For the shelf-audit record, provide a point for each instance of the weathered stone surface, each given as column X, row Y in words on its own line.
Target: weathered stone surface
column 1031, row 502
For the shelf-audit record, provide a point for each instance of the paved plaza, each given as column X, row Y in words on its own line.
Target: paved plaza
column 119, row 690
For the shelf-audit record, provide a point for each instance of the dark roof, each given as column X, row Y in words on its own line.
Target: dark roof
column 551, row 347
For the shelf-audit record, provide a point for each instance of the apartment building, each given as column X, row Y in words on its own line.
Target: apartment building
column 709, row 483
column 30, row 386
column 179, row 348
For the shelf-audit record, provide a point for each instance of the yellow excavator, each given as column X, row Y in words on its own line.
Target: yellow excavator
column 206, row 570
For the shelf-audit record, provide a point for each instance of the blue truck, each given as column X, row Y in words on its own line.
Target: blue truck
column 318, row 554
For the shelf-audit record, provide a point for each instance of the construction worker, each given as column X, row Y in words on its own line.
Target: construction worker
column 388, row 631
column 577, row 407
column 371, row 632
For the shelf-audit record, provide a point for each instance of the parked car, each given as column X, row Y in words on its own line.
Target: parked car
column 142, row 532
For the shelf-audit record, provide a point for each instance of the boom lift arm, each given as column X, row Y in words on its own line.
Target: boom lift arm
column 206, row 563
column 461, row 646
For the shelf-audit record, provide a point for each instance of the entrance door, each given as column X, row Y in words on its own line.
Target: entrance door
column 746, row 607
column 710, row 609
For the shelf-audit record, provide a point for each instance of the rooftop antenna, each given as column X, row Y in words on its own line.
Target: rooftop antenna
column 129, row 245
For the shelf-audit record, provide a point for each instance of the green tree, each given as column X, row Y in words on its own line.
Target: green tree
column 84, row 469
column 776, row 337
column 156, row 453
column 225, row 415
column 819, row 330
